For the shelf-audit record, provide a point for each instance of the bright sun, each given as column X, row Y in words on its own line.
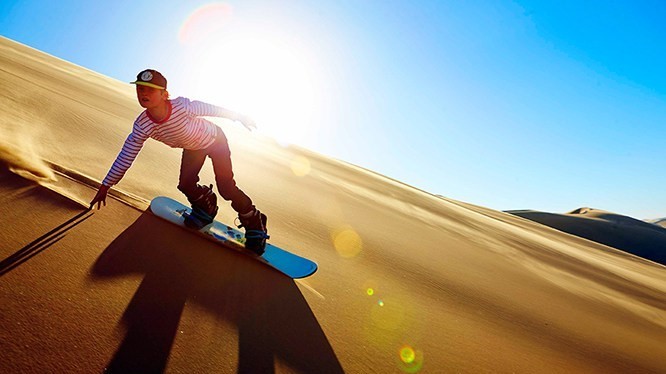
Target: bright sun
column 263, row 75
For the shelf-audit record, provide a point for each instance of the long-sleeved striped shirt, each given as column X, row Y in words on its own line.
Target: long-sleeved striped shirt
column 182, row 128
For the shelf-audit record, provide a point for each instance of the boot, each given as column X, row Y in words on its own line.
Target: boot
column 256, row 232
column 204, row 207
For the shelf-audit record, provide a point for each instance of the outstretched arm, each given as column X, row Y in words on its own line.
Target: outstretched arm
column 128, row 153
column 204, row 109
column 247, row 122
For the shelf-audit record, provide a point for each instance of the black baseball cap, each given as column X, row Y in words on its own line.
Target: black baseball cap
column 151, row 78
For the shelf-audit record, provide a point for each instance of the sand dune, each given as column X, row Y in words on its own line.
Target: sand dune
column 659, row 221
column 407, row 281
column 628, row 234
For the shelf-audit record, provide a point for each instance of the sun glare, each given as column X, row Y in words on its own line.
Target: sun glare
column 254, row 71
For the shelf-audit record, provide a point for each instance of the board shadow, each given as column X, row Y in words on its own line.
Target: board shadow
column 272, row 317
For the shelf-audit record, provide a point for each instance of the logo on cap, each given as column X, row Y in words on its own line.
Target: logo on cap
column 146, row 76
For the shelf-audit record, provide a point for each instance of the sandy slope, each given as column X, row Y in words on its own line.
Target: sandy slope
column 407, row 281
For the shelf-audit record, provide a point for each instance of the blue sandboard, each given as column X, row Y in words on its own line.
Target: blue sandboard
column 291, row 265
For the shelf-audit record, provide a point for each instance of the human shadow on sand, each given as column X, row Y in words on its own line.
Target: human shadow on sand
column 42, row 243
column 272, row 317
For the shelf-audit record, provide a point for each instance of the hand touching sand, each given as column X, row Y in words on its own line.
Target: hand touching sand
column 100, row 197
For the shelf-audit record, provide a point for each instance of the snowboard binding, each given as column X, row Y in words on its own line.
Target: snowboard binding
column 204, row 207
column 256, row 232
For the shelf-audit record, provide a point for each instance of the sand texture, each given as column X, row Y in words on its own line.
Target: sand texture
column 407, row 281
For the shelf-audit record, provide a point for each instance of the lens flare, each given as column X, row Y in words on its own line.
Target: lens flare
column 348, row 243
column 205, row 22
column 371, row 287
column 410, row 359
column 407, row 354
column 300, row 166
column 388, row 315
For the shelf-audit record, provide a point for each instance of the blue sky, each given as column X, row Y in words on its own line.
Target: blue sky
column 506, row 104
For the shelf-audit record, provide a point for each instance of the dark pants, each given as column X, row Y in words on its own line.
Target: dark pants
column 192, row 162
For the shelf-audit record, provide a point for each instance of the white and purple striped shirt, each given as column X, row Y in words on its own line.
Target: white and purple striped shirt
column 182, row 128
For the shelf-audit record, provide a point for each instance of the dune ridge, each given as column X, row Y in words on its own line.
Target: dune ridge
column 611, row 217
column 658, row 221
column 407, row 281
column 86, row 181
column 615, row 230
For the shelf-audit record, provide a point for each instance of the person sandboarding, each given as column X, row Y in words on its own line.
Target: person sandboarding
column 178, row 123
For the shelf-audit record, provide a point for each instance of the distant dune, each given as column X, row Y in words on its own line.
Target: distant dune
column 408, row 282
column 631, row 235
column 659, row 221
